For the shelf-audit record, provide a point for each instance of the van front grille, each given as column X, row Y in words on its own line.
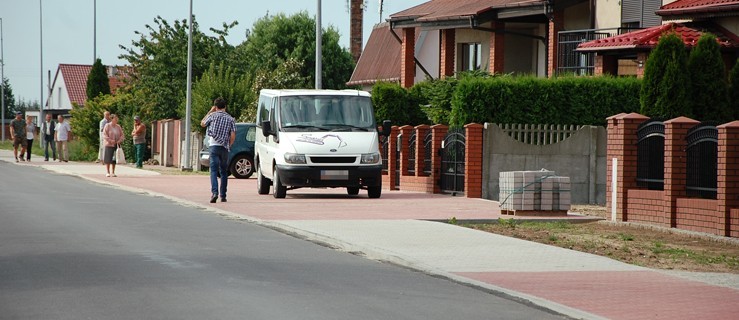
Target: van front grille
column 333, row 159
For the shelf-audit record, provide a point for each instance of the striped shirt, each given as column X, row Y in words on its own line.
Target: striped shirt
column 220, row 125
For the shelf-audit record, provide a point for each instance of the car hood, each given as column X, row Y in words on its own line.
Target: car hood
column 332, row 142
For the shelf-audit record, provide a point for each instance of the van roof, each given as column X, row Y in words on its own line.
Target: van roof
column 314, row 92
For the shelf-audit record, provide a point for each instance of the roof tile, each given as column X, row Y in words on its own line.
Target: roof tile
column 648, row 38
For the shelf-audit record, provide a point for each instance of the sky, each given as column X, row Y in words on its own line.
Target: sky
column 67, row 35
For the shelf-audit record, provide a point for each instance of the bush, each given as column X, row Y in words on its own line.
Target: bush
column 734, row 89
column 709, row 90
column 394, row 103
column 528, row 99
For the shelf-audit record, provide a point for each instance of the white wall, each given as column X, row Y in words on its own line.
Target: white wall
column 59, row 98
column 607, row 14
column 427, row 53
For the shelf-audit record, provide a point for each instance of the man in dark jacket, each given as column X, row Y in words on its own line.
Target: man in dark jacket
column 47, row 130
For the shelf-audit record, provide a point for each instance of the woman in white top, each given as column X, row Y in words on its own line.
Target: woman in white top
column 30, row 135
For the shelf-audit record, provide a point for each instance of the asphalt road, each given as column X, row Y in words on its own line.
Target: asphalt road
column 72, row 249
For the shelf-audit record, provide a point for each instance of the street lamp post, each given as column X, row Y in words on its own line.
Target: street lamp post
column 2, row 79
column 319, row 40
column 188, row 104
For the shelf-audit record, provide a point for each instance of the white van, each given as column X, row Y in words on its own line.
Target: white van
column 317, row 138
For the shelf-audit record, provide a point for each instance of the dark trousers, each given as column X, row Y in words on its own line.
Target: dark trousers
column 218, row 164
column 49, row 140
column 140, row 148
column 29, row 146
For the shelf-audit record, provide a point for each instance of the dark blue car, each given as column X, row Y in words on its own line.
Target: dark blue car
column 241, row 157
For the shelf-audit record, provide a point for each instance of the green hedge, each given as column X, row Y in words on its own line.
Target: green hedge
column 394, row 103
column 564, row 100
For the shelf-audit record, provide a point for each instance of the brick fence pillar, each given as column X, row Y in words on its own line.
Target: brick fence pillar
column 448, row 45
column 473, row 160
column 392, row 145
column 675, row 166
column 405, row 135
column 622, row 146
column 728, row 178
column 438, row 133
column 407, row 58
column 421, row 131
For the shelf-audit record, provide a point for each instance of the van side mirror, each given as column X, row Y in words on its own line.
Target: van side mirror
column 266, row 128
column 386, row 126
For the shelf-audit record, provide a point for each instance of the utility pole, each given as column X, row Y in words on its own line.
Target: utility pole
column 41, row 58
column 188, row 165
column 2, row 78
column 319, row 45
column 94, row 30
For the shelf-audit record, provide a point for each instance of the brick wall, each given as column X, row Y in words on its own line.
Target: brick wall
column 407, row 56
column 671, row 207
column 697, row 215
column 646, row 206
column 448, row 45
column 556, row 24
column 473, row 161
column 497, row 49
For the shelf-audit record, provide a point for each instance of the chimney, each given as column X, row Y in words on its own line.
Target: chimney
column 355, row 38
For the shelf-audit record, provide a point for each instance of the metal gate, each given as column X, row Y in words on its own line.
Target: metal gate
column 650, row 155
column 452, row 161
column 702, row 161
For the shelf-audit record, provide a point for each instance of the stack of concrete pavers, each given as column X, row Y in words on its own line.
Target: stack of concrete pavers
column 534, row 191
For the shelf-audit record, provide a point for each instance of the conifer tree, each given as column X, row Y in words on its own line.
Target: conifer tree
column 709, row 89
column 664, row 92
column 734, row 90
column 97, row 81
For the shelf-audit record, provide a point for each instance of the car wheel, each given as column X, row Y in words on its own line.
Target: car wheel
column 242, row 167
column 280, row 190
column 374, row 192
column 262, row 183
column 352, row 191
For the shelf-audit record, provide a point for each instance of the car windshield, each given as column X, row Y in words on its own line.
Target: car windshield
column 326, row 113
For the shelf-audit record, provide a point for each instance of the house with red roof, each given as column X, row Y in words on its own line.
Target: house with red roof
column 689, row 19
column 69, row 87
column 439, row 38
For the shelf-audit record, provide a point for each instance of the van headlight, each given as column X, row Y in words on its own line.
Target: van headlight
column 371, row 158
column 295, row 158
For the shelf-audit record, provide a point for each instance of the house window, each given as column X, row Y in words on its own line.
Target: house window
column 640, row 13
column 471, row 56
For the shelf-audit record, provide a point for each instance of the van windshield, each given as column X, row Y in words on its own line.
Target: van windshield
column 327, row 113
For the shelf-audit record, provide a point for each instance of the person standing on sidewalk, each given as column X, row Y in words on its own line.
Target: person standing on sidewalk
column 103, row 122
column 221, row 133
column 62, row 133
column 139, row 140
column 30, row 136
column 18, row 132
column 47, row 129
column 112, row 136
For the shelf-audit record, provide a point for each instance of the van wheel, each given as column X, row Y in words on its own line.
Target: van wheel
column 280, row 190
column 262, row 183
column 242, row 167
column 352, row 191
column 374, row 192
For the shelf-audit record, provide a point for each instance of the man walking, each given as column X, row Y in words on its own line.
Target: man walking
column 47, row 129
column 139, row 140
column 18, row 132
column 103, row 122
column 61, row 136
column 221, row 134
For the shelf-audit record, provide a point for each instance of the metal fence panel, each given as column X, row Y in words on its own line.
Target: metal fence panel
column 702, row 161
column 650, row 166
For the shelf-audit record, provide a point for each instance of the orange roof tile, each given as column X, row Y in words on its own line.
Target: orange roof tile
column 694, row 7
column 380, row 60
column 648, row 38
column 75, row 79
column 437, row 10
